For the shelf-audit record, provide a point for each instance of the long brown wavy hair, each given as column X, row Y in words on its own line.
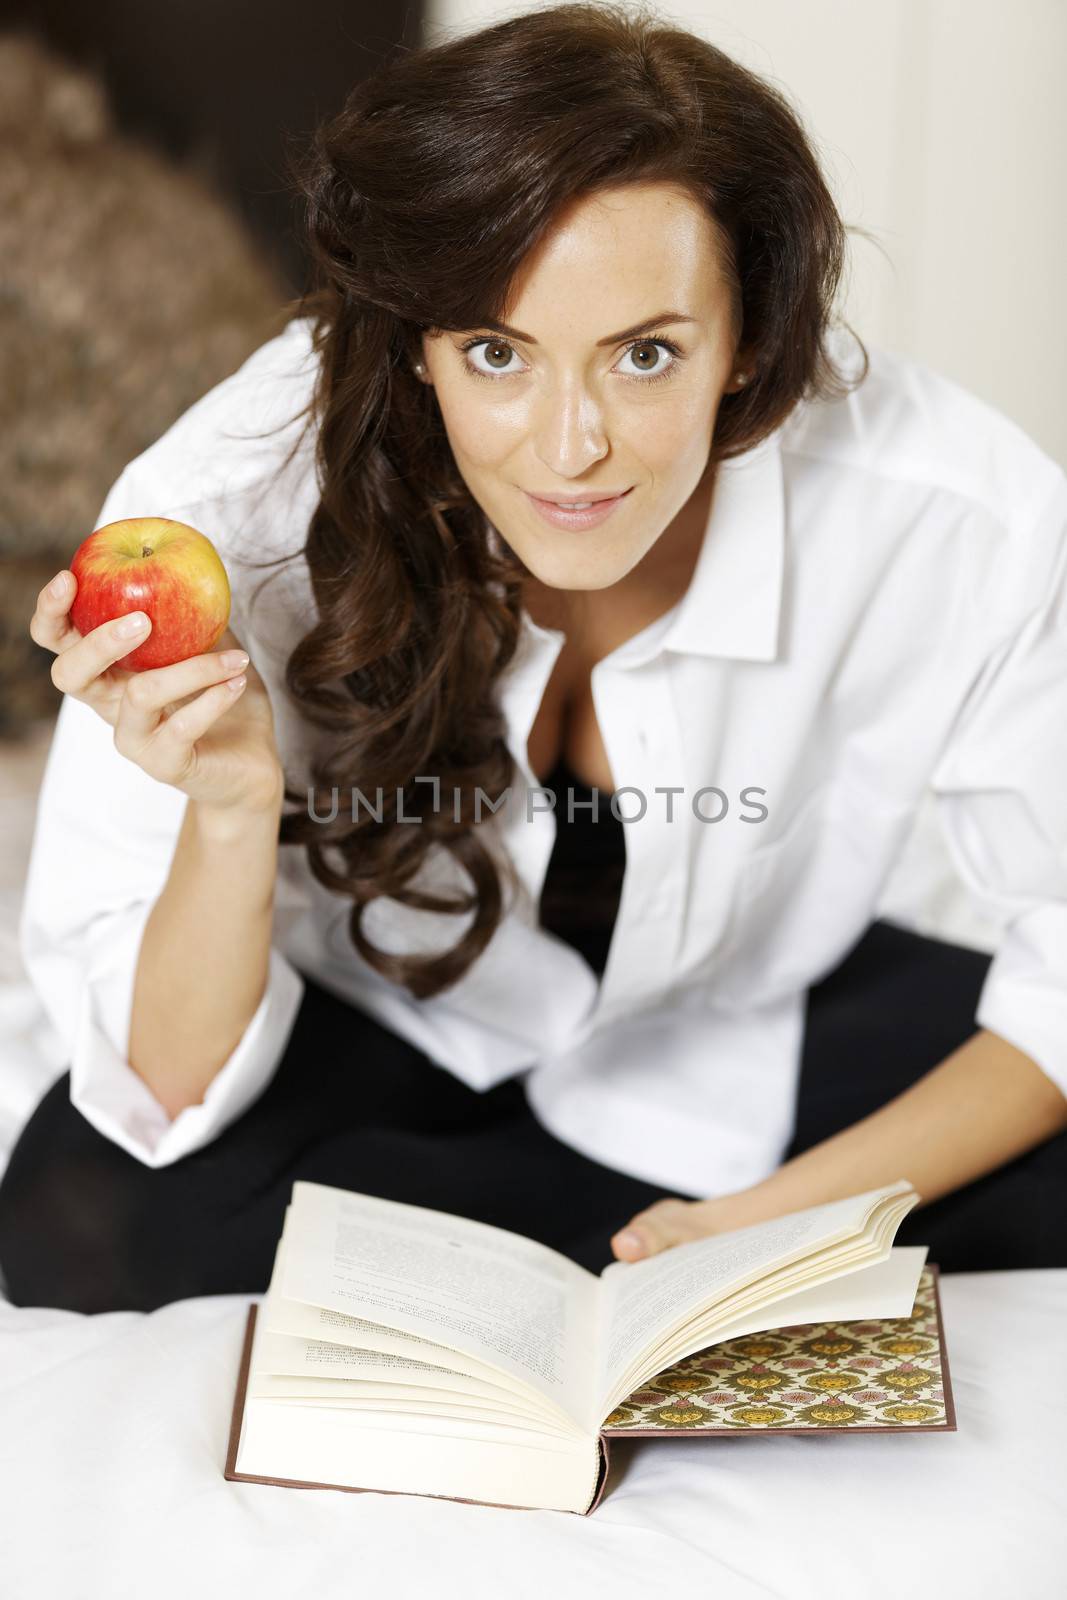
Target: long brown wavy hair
column 420, row 199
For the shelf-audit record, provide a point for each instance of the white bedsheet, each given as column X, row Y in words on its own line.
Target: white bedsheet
column 113, row 1432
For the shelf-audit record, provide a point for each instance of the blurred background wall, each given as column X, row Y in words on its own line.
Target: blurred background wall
column 218, row 84
column 942, row 127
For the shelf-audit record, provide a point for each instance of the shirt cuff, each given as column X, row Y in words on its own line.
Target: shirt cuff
column 117, row 1101
column 1024, row 997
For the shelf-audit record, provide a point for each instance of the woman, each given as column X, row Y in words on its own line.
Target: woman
column 577, row 257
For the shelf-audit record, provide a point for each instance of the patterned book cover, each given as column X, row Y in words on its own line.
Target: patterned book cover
column 857, row 1376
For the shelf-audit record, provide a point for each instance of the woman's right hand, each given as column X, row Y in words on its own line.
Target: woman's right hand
column 203, row 725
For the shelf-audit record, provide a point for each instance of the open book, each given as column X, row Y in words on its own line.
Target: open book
column 408, row 1350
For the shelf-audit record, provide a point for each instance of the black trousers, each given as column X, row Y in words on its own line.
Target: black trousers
column 87, row 1227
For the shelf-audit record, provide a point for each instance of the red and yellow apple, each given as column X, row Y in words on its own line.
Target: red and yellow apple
column 159, row 566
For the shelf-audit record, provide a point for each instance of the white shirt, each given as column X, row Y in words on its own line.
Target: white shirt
column 879, row 607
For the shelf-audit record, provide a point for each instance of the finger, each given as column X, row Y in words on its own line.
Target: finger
column 147, row 695
column 651, row 1231
column 174, row 756
column 83, row 660
column 640, row 1239
column 169, row 753
column 50, row 624
column 629, row 1244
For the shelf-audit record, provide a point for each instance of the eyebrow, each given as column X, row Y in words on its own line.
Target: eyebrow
column 612, row 338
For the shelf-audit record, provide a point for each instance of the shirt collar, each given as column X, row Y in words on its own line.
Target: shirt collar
column 732, row 605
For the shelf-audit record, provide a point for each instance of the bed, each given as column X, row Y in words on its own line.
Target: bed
column 115, row 1428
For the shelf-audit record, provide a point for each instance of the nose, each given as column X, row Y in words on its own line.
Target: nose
column 569, row 430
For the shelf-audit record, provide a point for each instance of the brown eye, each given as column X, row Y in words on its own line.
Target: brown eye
column 645, row 355
column 497, row 356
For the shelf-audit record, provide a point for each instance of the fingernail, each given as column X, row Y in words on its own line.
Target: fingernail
column 131, row 624
column 58, row 586
column 232, row 659
column 630, row 1240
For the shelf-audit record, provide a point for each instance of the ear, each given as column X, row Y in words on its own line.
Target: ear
column 419, row 364
column 744, row 362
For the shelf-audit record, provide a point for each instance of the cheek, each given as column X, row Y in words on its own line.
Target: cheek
column 671, row 432
column 481, row 431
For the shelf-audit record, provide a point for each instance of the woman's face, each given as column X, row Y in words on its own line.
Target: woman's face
column 564, row 401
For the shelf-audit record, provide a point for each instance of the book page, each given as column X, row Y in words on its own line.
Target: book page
column 315, row 1367
column 641, row 1301
column 763, row 1293
column 507, row 1301
column 883, row 1289
column 351, row 1333
column 318, row 1324
column 363, row 1396
column 426, row 1407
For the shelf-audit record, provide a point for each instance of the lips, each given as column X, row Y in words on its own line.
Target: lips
column 575, row 502
column 569, row 515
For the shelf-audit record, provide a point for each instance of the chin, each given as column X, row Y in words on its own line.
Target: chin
column 565, row 570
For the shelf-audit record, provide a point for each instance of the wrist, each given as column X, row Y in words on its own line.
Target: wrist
column 743, row 1208
column 231, row 825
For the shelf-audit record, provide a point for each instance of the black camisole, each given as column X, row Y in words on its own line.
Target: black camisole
column 583, row 881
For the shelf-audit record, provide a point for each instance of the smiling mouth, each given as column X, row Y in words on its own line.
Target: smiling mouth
column 578, row 514
column 579, row 502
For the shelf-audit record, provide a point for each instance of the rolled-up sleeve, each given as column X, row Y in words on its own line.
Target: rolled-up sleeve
column 1001, row 796
column 103, row 843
